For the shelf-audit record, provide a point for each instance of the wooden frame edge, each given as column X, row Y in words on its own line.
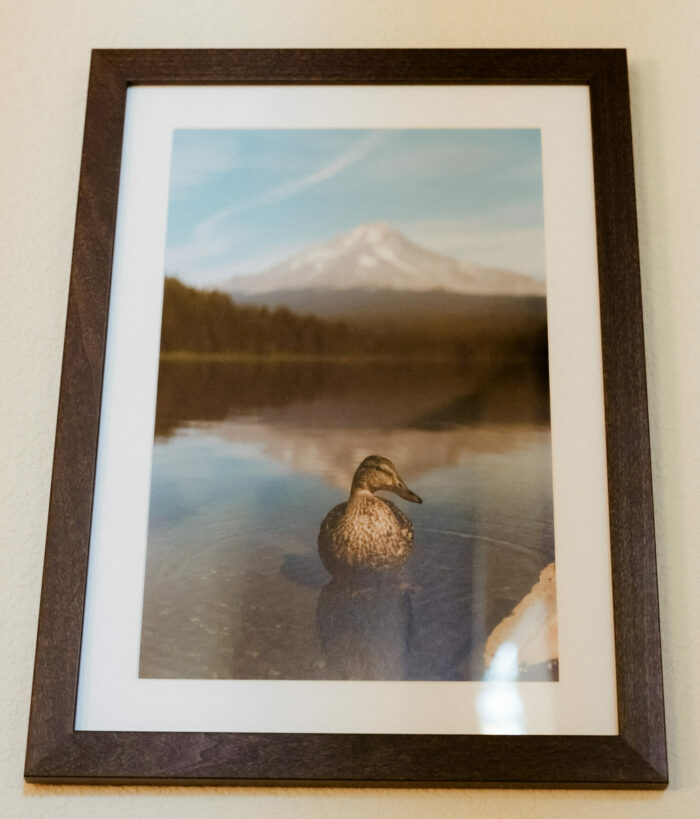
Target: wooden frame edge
column 640, row 747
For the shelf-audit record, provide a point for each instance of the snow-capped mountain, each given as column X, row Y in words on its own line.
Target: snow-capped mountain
column 375, row 257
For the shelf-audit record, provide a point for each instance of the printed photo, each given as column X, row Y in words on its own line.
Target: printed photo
column 352, row 468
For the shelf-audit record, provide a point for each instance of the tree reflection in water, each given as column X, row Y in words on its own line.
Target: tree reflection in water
column 249, row 457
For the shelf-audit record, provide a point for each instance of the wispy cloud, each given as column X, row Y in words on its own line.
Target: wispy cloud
column 215, row 236
column 206, row 243
column 197, row 164
column 293, row 187
column 217, row 270
column 354, row 154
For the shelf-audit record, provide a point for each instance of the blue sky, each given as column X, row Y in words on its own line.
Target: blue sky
column 244, row 200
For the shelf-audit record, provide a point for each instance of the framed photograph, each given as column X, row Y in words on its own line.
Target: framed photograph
column 352, row 480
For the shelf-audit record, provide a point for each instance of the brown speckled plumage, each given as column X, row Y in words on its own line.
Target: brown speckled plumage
column 367, row 532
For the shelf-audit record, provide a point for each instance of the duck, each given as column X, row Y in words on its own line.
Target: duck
column 368, row 533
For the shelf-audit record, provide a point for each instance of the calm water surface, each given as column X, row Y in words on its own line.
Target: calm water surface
column 249, row 458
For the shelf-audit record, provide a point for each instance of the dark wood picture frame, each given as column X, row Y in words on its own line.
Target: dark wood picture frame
column 636, row 757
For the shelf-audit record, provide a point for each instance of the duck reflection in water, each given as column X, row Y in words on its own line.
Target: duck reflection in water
column 365, row 627
column 364, row 614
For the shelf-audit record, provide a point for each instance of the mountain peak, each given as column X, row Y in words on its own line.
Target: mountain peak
column 371, row 231
column 375, row 256
column 371, row 234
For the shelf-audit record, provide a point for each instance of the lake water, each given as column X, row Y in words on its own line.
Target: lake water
column 249, row 458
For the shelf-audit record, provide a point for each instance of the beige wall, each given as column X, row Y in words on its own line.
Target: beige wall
column 44, row 54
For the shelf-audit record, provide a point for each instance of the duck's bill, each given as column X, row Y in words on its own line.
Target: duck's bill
column 404, row 492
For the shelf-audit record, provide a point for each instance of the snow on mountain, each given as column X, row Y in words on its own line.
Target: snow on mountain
column 375, row 257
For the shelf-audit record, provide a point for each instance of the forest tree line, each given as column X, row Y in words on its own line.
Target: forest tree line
column 208, row 321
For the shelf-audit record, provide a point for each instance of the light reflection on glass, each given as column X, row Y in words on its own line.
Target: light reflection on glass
column 499, row 705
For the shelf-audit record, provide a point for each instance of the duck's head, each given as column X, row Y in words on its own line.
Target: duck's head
column 376, row 473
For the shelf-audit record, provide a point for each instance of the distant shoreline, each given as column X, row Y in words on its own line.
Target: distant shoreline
column 334, row 358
